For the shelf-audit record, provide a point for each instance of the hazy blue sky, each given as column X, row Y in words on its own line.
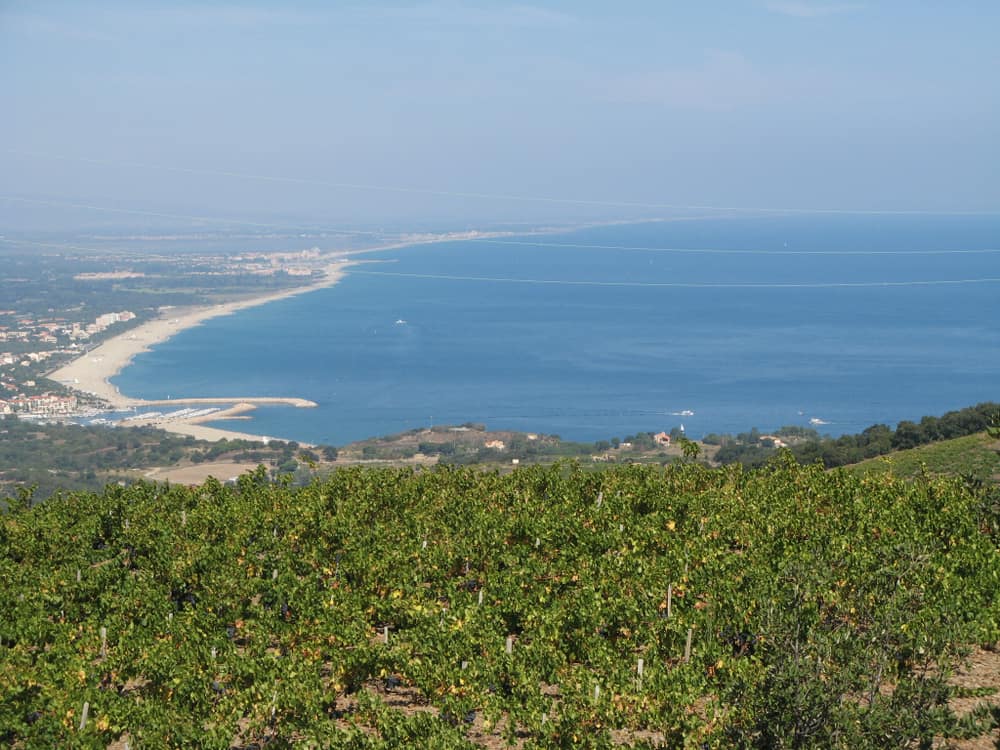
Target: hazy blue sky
column 801, row 103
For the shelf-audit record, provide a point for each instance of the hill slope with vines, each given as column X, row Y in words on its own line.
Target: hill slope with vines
column 548, row 607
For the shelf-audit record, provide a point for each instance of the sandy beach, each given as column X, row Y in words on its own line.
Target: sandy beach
column 195, row 425
column 91, row 372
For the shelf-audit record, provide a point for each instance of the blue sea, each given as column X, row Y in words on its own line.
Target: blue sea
column 606, row 331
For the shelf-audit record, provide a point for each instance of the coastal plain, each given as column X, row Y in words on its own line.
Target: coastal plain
column 91, row 373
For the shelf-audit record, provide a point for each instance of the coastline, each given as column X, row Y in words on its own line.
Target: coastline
column 91, row 372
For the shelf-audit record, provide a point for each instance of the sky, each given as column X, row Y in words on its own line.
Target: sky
column 451, row 113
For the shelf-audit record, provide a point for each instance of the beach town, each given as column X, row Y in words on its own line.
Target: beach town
column 59, row 366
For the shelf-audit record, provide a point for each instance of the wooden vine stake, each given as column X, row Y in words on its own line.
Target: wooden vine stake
column 510, row 644
column 597, row 693
column 83, row 715
column 385, row 634
column 480, row 596
column 638, row 671
column 687, row 646
column 670, row 599
column 600, row 498
column 77, row 575
column 184, row 517
column 104, row 642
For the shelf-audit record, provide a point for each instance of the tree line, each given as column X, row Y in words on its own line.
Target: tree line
column 876, row 440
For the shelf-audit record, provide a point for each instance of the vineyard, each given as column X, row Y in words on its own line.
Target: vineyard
column 548, row 607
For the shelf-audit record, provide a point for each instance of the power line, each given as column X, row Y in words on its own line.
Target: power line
column 728, row 251
column 496, row 196
column 682, row 284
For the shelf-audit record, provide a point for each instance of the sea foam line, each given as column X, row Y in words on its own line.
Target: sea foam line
column 728, row 251
column 683, row 284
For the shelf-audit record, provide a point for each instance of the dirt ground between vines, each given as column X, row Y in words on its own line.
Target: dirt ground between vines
column 981, row 672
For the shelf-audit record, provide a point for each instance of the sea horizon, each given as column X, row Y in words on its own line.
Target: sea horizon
column 719, row 325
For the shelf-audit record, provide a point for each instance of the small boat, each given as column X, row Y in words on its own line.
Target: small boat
column 401, row 322
column 817, row 420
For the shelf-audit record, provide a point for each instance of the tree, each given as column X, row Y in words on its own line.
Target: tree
column 690, row 448
column 908, row 435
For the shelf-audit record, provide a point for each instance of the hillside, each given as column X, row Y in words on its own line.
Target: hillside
column 55, row 457
column 545, row 607
column 975, row 456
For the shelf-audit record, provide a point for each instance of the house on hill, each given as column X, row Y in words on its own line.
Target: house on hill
column 661, row 438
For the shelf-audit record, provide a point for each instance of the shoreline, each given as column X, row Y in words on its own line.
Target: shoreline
column 91, row 372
